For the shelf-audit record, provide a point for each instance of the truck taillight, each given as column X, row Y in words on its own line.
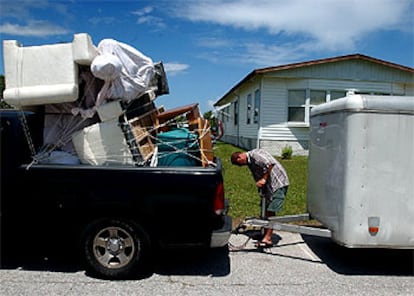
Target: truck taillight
column 218, row 205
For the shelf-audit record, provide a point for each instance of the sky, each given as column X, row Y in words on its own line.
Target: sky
column 208, row 46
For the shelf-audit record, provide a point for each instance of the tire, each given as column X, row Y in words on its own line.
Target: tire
column 115, row 249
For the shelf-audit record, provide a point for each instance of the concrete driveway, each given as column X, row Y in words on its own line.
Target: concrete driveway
column 296, row 265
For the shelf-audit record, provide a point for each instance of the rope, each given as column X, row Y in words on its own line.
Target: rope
column 64, row 136
column 188, row 152
column 237, row 232
column 240, row 247
column 173, row 145
column 242, row 230
column 27, row 132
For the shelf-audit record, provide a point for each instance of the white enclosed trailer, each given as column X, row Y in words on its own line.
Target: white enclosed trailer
column 360, row 175
column 361, row 170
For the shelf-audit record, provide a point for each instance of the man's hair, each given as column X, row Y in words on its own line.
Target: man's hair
column 234, row 157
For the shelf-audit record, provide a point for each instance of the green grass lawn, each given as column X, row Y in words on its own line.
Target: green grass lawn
column 241, row 191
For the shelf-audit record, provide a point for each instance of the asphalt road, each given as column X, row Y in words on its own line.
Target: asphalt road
column 296, row 265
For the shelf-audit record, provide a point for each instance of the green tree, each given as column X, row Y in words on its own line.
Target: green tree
column 2, row 86
column 3, row 104
column 213, row 121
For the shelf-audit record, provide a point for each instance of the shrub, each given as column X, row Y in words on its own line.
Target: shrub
column 287, row 152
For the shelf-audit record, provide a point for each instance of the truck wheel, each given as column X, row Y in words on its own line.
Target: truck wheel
column 115, row 249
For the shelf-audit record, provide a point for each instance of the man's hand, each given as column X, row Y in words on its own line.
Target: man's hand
column 261, row 183
column 263, row 180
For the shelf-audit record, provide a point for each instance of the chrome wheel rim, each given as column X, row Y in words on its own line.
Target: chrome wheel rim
column 113, row 247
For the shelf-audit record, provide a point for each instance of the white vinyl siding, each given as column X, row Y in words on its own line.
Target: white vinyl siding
column 274, row 106
column 236, row 113
column 228, row 121
column 284, row 133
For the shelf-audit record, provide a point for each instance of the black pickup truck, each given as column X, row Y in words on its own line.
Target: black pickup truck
column 115, row 216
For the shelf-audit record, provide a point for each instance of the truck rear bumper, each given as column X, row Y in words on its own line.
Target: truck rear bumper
column 220, row 237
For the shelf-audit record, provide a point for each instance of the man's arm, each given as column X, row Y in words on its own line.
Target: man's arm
column 266, row 175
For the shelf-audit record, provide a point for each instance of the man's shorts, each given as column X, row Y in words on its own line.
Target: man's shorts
column 278, row 198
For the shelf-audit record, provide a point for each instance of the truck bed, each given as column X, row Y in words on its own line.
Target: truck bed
column 55, row 207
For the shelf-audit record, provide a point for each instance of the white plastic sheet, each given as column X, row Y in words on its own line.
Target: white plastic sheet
column 126, row 71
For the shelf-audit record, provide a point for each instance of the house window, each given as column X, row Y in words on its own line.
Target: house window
column 336, row 94
column 249, row 108
column 301, row 101
column 371, row 93
column 296, row 105
column 317, row 97
column 236, row 113
column 256, row 116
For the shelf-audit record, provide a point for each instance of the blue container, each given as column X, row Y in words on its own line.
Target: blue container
column 178, row 147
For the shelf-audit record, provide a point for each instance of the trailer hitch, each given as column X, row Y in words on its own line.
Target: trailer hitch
column 253, row 228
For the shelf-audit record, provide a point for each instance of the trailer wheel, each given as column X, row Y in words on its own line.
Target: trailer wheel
column 115, row 249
